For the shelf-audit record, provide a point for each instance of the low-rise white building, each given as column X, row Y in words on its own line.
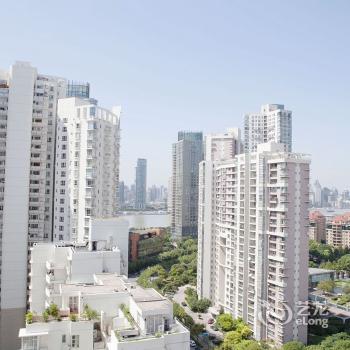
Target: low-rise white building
column 81, row 277
column 128, row 317
column 55, row 264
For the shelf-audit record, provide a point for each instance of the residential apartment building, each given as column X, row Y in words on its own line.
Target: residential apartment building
column 338, row 231
column 187, row 153
column 141, row 184
column 87, row 167
column 28, row 102
column 260, row 205
column 218, row 148
column 272, row 124
column 75, row 277
column 317, row 228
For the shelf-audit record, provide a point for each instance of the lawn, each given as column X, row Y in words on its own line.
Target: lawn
column 342, row 283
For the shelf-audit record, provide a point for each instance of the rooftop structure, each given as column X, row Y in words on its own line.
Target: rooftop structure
column 127, row 316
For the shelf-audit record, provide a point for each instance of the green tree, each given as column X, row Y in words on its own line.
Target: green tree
column 344, row 263
column 330, row 342
column 225, row 322
column 234, row 338
column 249, row 345
column 326, row 286
column 293, row 345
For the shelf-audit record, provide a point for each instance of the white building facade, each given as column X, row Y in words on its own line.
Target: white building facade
column 28, row 102
column 260, row 209
column 87, row 167
column 272, row 124
column 218, row 148
column 75, row 277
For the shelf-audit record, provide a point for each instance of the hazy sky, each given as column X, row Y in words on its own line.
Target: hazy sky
column 197, row 65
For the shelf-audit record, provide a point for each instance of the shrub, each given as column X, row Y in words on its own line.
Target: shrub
column 46, row 316
column 29, row 317
column 73, row 317
column 89, row 313
column 52, row 310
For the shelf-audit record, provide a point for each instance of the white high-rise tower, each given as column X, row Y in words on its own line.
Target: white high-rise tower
column 258, row 203
column 87, row 167
column 272, row 124
column 28, row 102
column 218, row 148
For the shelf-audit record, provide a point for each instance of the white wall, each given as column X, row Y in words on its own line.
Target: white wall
column 15, row 216
column 85, row 264
column 118, row 230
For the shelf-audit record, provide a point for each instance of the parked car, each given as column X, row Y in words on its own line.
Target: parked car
column 210, row 321
column 200, row 316
column 183, row 303
column 192, row 343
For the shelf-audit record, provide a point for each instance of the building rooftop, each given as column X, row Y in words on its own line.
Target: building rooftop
column 317, row 271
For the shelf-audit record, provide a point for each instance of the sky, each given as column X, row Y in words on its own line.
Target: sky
column 197, row 65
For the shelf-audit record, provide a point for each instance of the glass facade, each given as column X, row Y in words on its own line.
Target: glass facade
column 81, row 90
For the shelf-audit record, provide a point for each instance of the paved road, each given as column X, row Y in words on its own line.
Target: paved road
column 179, row 297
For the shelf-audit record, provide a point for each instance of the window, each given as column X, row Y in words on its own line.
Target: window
column 73, row 304
column 63, row 338
column 75, row 341
column 30, row 343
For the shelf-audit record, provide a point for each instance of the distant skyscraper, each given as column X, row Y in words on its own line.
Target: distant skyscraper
column 187, row 154
column 87, row 167
column 170, row 195
column 273, row 123
column 317, row 194
column 28, row 102
column 122, row 197
column 140, row 184
column 258, row 203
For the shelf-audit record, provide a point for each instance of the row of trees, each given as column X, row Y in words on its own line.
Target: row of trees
column 339, row 341
column 326, row 256
column 237, row 334
column 177, row 267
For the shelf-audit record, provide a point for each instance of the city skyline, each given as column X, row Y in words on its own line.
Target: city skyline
column 165, row 86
